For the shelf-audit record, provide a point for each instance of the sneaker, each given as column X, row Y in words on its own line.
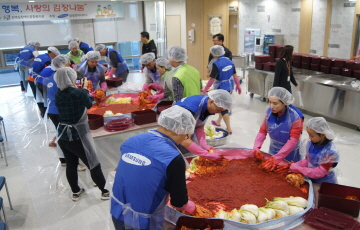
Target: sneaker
column 76, row 196
column 63, row 164
column 105, row 195
column 81, row 167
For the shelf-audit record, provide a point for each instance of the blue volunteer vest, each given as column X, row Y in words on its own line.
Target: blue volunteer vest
column 226, row 70
column 94, row 77
column 120, row 60
column 141, row 176
column 26, row 55
column 45, row 74
column 51, row 91
column 85, row 47
column 315, row 154
column 39, row 63
column 279, row 130
column 192, row 103
column 154, row 75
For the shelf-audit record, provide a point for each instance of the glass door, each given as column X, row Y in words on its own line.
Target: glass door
column 160, row 28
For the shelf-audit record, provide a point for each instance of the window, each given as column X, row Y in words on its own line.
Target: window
column 10, row 58
column 130, row 51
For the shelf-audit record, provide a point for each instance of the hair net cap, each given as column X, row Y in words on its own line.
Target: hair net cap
column 222, row 98
column 72, row 44
column 319, row 125
column 53, row 50
column 93, row 56
column 147, row 58
column 30, row 43
column 59, row 62
column 282, row 94
column 177, row 54
column 100, row 47
column 65, row 77
column 163, row 62
column 36, row 44
column 177, row 119
column 217, row 50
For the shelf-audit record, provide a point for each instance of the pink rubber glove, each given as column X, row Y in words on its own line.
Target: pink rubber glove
column 259, row 140
column 237, row 82
column 73, row 66
column 189, row 207
column 109, row 73
column 303, row 163
column 158, row 87
column 286, row 149
column 144, row 88
column 155, row 98
column 194, row 148
column 103, row 86
column 208, row 85
column 314, row 173
column 200, row 135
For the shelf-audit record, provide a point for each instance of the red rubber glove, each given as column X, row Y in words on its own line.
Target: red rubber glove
column 286, row 149
column 189, row 207
column 194, row 148
column 103, row 86
column 200, row 135
column 208, row 85
column 237, row 82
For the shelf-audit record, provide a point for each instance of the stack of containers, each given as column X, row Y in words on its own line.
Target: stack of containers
column 356, row 69
column 279, row 50
column 305, row 62
column 297, row 60
column 272, row 52
column 315, row 63
column 347, row 71
column 325, row 64
column 261, row 60
column 339, row 64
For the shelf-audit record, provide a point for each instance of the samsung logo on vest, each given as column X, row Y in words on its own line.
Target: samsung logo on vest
column 135, row 159
column 226, row 68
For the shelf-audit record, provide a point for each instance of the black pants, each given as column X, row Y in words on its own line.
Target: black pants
column 73, row 150
column 55, row 120
column 40, row 105
column 123, row 75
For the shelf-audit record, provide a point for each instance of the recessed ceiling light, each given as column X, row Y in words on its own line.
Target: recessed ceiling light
column 31, row 1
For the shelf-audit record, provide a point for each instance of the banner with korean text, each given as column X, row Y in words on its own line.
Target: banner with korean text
column 51, row 11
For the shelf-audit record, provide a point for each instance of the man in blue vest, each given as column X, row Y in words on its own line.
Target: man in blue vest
column 150, row 169
column 152, row 74
column 26, row 59
column 116, row 64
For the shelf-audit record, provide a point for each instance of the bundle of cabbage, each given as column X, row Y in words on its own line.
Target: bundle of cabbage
column 211, row 133
column 120, row 100
column 110, row 113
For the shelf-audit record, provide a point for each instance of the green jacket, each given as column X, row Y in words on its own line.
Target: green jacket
column 76, row 58
column 190, row 78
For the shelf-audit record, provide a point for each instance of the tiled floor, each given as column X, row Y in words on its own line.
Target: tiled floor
column 39, row 190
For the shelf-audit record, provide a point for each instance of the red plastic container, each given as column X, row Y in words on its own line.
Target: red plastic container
column 335, row 70
column 305, row 65
column 296, row 64
column 327, row 219
column 326, row 61
column 315, row 67
column 333, row 196
column 325, row 69
column 262, row 58
column 269, row 66
column 163, row 105
column 279, row 50
column 306, row 59
column 356, row 74
column 259, row 66
column 272, row 48
column 114, row 82
column 356, row 66
column 144, row 117
column 297, row 57
column 315, row 60
column 339, row 63
column 346, row 72
column 198, row 223
column 349, row 64
column 95, row 121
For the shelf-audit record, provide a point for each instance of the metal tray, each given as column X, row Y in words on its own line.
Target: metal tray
column 219, row 141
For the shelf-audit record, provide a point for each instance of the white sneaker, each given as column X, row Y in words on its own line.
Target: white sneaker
column 81, row 167
column 76, row 196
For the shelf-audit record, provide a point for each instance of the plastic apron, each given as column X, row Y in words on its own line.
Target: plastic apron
column 197, row 119
column 131, row 217
column 94, row 77
column 279, row 133
column 39, row 97
column 217, row 83
column 168, row 82
column 87, row 140
column 121, row 67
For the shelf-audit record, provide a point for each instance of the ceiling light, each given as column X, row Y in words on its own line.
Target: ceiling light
column 31, row 1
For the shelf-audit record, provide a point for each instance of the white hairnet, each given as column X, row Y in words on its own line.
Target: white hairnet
column 282, row 94
column 163, row 62
column 53, row 50
column 147, row 58
column 72, row 44
column 178, row 120
column 59, row 62
column 65, row 77
column 176, row 53
column 30, row 43
column 222, row 98
column 76, row 39
column 36, row 44
column 93, row 56
column 100, row 47
column 217, row 50
column 319, row 125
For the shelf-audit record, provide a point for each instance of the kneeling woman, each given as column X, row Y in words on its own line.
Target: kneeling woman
column 321, row 153
column 284, row 123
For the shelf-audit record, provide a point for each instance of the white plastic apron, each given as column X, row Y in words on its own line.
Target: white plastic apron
column 39, row 97
column 198, row 121
column 217, row 83
column 87, row 140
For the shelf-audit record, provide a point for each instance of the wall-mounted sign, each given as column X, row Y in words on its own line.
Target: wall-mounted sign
column 215, row 24
column 51, row 11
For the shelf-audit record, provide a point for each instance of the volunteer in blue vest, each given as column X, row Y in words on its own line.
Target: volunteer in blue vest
column 93, row 71
column 284, row 124
column 321, row 154
column 152, row 75
column 116, row 64
column 75, row 54
column 223, row 76
column 26, row 59
column 202, row 107
column 151, row 168
column 186, row 79
column 39, row 64
column 82, row 45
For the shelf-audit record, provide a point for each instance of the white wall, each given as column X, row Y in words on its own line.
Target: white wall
column 178, row 8
column 150, row 19
column 318, row 27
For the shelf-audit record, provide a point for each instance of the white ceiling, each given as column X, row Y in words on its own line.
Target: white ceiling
column 61, row 1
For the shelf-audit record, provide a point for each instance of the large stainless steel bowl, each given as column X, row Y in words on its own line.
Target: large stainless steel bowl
column 220, row 141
